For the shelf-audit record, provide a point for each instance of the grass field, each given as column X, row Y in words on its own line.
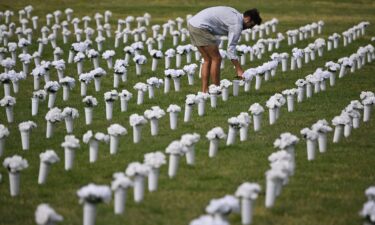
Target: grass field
column 329, row 190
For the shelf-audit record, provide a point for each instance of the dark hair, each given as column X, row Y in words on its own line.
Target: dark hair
column 254, row 15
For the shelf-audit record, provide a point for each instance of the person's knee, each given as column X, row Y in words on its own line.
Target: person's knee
column 216, row 58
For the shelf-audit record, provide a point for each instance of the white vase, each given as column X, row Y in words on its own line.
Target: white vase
column 43, row 172
column 138, row 69
column 178, row 60
column 109, row 110
column 25, row 139
column 258, row 82
column 322, row 141
column 113, row 144
column 116, row 80
column 332, row 79
column 124, row 104
column 177, row 84
column 187, row 114
column 2, row 146
column 6, row 89
column 367, row 112
column 97, row 83
column 89, row 213
column 301, row 93
column 173, row 165
column 51, row 99
column 154, row 122
column 16, row 86
column 311, row 145
column 191, row 78
column 151, row 92
column 291, row 150
column 9, row 113
column 272, row 115
column 167, row 85
column 49, row 130
column 231, row 135
column 270, row 193
column 243, row 133
column 213, row 98
column 154, row 64
column 214, row 145
column 153, row 176
column 355, row 122
column 317, row 87
column 190, row 155
column 201, row 107
column 83, row 89
column 247, row 85
column 284, row 64
column 290, row 102
column 257, row 119
column 69, row 158
column 347, row 130
column 236, row 87
column 36, row 83
column 225, row 94
column 120, row 199
column 140, row 97
column 88, row 115
column 337, row 133
column 139, row 188
column 14, row 183
column 309, row 90
column 173, row 120
column 246, row 211
column 93, row 150
column 69, row 124
column 137, row 133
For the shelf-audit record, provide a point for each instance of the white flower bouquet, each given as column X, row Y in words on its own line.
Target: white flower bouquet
column 15, row 165
column 214, row 135
column 119, row 185
column 190, row 101
column 173, row 111
column 154, row 161
column 47, row 158
column 115, row 131
column 67, row 83
column 311, row 137
column 25, row 128
column 322, row 127
column 4, row 133
column 248, row 193
column 137, row 121
column 189, row 141
column 69, row 114
column 154, row 114
column 93, row 141
column 45, row 215
column 175, row 149
column 138, row 171
column 152, row 83
column 70, row 144
column 141, row 88
column 8, row 102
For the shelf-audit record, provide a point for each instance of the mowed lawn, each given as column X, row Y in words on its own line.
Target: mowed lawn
column 329, row 190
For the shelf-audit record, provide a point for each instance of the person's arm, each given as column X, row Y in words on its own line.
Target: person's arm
column 233, row 36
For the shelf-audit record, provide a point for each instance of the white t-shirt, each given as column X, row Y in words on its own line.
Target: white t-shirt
column 221, row 20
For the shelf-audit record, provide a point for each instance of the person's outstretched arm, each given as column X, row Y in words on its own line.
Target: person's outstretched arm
column 237, row 67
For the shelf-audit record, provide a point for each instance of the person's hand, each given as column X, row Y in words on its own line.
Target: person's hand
column 239, row 72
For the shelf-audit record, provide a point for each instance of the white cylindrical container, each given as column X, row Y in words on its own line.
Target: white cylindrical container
column 116, row 80
column 154, row 122
column 25, row 139
column 225, row 94
column 97, row 83
column 311, row 145
column 173, row 120
column 213, row 98
column 178, row 60
column 243, row 133
column 355, row 122
column 236, row 87
column 113, row 144
column 120, row 199
column 14, row 183
column 177, row 84
column 2, row 146
column 140, row 97
column 322, row 141
column 89, row 213
column 69, row 124
column 332, row 79
column 231, row 136
column 246, row 211
column 270, row 193
column 284, row 64
column 300, row 93
column 93, row 150
column 51, row 99
column 167, row 84
column 153, row 176
column 88, row 115
column 190, row 155
column 65, row 93
column 137, row 133
column 108, row 109
column 272, row 115
column 154, row 64
column 347, row 130
column 83, row 89
column 139, row 188
column 309, row 90
column 367, row 112
column 337, row 133
column 258, row 82
column 6, row 89
column 138, row 69
column 188, row 111
column 151, row 92
column 317, row 87
column 214, row 145
column 257, row 119
column 124, row 104
column 247, row 86
column 69, row 158
column 290, row 102
column 49, row 130
column 191, row 78
column 43, row 172
column 173, row 165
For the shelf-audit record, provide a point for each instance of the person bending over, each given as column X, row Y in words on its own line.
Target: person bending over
column 218, row 21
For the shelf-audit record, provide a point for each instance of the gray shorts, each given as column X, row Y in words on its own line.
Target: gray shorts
column 201, row 37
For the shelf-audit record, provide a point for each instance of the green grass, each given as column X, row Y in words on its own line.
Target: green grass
column 329, row 190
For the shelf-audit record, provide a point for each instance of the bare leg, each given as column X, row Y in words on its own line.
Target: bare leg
column 205, row 68
column 214, row 54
